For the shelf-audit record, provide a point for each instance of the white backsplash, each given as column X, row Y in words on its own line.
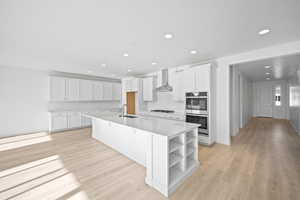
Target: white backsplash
column 165, row 101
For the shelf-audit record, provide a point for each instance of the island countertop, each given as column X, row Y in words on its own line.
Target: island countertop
column 159, row 126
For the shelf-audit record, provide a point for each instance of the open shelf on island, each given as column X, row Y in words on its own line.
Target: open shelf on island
column 175, row 158
column 190, row 150
column 175, row 174
column 190, row 162
column 174, row 145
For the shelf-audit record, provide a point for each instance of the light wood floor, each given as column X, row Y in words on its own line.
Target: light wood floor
column 262, row 163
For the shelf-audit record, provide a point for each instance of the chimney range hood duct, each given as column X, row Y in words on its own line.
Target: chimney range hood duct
column 165, row 87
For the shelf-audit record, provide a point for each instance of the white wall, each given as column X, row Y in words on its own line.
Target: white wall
column 223, row 81
column 24, row 95
column 294, row 102
column 23, row 101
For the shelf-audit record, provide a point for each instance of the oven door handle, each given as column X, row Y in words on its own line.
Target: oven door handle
column 200, row 115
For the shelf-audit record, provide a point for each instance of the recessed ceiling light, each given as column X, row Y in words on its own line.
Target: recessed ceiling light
column 154, row 63
column 268, row 73
column 103, row 65
column 125, row 55
column 268, row 78
column 264, row 31
column 267, row 67
column 193, row 51
column 168, row 36
column 129, row 70
column 89, row 71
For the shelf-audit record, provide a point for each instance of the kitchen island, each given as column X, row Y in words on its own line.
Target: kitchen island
column 167, row 148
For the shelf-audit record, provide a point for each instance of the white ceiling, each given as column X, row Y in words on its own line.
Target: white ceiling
column 280, row 68
column 79, row 35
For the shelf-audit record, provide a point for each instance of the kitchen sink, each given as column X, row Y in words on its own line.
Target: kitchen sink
column 128, row 116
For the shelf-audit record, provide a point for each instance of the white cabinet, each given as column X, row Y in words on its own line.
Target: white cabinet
column 98, row 90
column 74, row 120
column 202, row 77
column 59, row 121
column 178, row 86
column 72, row 89
column 159, row 79
column 116, row 91
column 131, row 85
column 57, row 88
column 197, row 78
column 148, row 89
column 107, row 91
column 85, row 121
column 86, row 90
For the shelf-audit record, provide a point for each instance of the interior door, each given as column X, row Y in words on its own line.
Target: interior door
column 130, row 103
column 263, row 100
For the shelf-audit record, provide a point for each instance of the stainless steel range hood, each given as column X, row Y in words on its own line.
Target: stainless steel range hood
column 165, row 87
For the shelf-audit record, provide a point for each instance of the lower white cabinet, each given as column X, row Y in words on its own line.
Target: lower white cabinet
column 74, row 120
column 85, row 121
column 58, row 121
column 68, row 120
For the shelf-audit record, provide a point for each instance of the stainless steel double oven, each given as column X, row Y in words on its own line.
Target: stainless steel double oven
column 196, row 110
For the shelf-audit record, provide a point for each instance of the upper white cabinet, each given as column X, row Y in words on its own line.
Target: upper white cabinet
column 57, row 88
column 178, row 86
column 72, row 89
column 107, row 91
column 202, row 77
column 148, row 89
column 197, row 78
column 117, row 91
column 86, row 90
column 98, row 90
column 159, row 79
column 131, row 85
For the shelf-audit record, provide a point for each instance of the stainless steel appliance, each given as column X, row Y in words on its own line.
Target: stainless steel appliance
column 202, row 120
column 196, row 103
column 196, row 110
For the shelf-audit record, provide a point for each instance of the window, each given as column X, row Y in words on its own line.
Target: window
column 277, row 96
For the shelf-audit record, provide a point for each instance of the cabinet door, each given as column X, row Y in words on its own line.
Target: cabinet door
column 74, row 120
column 202, row 77
column 72, row 90
column 85, row 121
column 159, row 79
column 189, row 80
column 128, row 85
column 59, row 121
column 107, row 91
column 178, row 87
column 148, row 89
column 98, row 91
column 57, row 88
column 86, row 90
column 134, row 85
column 117, row 92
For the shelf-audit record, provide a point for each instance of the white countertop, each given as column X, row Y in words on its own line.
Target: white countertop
column 164, row 127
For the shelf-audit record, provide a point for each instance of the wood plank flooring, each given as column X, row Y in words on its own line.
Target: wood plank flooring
column 262, row 163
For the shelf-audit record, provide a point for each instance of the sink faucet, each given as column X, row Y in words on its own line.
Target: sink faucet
column 123, row 109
